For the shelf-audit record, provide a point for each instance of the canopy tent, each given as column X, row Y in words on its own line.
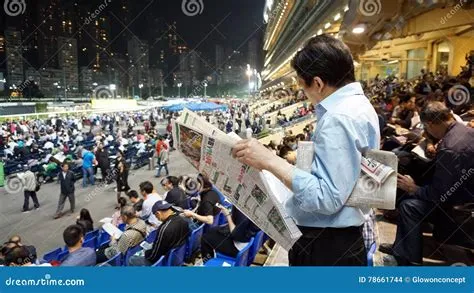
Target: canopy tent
column 196, row 107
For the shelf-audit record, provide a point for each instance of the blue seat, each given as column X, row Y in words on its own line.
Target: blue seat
column 194, row 241
column 257, row 244
column 115, row 261
column 63, row 255
column 160, row 262
column 150, row 238
column 239, row 261
column 122, row 227
column 103, row 239
column 130, row 252
column 91, row 234
column 370, row 255
column 90, row 242
column 52, row 255
column 176, row 256
column 222, row 219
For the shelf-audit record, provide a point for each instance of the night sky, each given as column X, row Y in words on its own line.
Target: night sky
column 236, row 21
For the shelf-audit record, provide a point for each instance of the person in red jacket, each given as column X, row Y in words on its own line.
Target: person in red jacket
column 159, row 146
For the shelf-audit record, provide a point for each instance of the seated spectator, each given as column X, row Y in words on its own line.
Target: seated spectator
column 134, row 234
column 31, row 249
column 116, row 218
column 407, row 104
column 150, row 197
column 228, row 239
column 136, row 200
column 174, row 195
column 78, row 255
column 172, row 233
column 434, row 201
column 18, row 256
column 207, row 209
column 288, row 154
column 85, row 221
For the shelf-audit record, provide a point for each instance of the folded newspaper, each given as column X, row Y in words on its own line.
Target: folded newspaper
column 209, row 150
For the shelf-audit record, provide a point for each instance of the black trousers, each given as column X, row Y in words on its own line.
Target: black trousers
column 217, row 239
column 26, row 203
column 62, row 201
column 329, row 247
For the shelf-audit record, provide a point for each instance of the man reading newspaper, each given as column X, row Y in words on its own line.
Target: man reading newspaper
column 347, row 127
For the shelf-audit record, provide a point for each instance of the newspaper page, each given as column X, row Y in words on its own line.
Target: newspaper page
column 209, row 150
column 377, row 184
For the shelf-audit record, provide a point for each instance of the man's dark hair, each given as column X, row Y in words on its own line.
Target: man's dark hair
column 173, row 180
column 404, row 97
column 18, row 255
column 72, row 235
column 435, row 112
column 284, row 151
column 147, row 187
column 327, row 58
column 132, row 194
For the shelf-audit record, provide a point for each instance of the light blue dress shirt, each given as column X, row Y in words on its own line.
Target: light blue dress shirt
column 347, row 126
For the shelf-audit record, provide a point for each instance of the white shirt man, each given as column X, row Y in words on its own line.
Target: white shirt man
column 146, row 213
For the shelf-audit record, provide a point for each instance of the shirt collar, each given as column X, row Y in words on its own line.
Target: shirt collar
column 330, row 102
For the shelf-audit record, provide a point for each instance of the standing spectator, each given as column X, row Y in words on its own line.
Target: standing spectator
column 122, row 179
column 85, row 221
column 172, row 233
column 66, row 180
column 88, row 159
column 103, row 162
column 347, row 127
column 159, row 146
column 163, row 161
column 78, row 256
column 28, row 180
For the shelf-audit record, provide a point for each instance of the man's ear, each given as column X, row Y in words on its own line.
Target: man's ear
column 318, row 82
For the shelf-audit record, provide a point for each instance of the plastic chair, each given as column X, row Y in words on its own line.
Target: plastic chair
column 115, row 261
column 370, row 255
column 90, row 243
column 160, row 262
column 63, row 255
column 222, row 219
column 52, row 255
column 122, row 227
column 194, row 241
column 257, row 244
column 150, row 238
column 91, row 234
column 103, row 239
column 176, row 256
column 130, row 252
column 239, row 261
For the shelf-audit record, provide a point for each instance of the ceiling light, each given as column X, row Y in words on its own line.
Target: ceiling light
column 320, row 32
column 346, row 8
column 337, row 17
column 359, row 29
column 327, row 25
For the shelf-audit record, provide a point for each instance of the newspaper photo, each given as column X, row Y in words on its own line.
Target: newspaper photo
column 377, row 184
column 210, row 151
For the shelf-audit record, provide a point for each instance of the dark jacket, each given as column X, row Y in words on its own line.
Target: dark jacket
column 177, row 197
column 67, row 183
column 103, row 159
column 452, row 182
column 171, row 233
column 244, row 228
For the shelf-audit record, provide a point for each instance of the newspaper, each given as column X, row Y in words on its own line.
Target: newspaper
column 305, row 154
column 209, row 150
column 377, row 184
